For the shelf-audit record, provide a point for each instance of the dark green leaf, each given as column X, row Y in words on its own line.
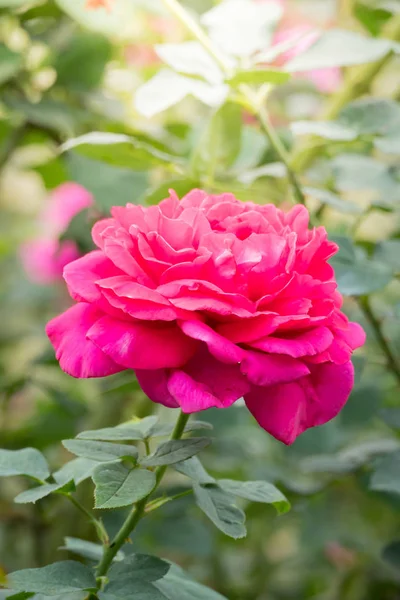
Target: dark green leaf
column 177, row 585
column 391, row 554
column 28, row 461
column 134, row 577
column 118, row 486
column 131, row 431
column 193, row 468
column 100, row 451
column 42, row 491
column 20, row 596
column 391, row 416
column 80, row 65
column 175, row 451
column 256, row 491
column 110, row 185
column 50, row 114
column 221, row 510
column 386, row 477
column 10, row 63
column 58, row 578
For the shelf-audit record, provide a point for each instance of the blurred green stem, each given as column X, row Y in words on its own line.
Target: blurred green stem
column 98, row 525
column 365, row 305
column 138, row 510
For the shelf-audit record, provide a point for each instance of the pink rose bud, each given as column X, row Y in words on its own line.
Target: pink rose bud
column 210, row 299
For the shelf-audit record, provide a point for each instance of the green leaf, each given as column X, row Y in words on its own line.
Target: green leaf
column 219, row 145
column 77, row 469
column 20, row 596
column 357, row 275
column 28, row 461
column 221, row 510
column 168, row 88
column 161, row 430
column 190, row 58
column 125, row 432
column 391, row 416
column 110, row 185
column 256, row 491
column 100, row 451
column 371, row 116
column 340, row 48
column 87, row 549
column 10, row 63
column 330, row 130
column 42, row 491
column 333, row 200
column 180, row 186
column 386, row 477
column 259, row 77
column 177, row 585
column 371, row 17
column 358, row 172
column 118, row 486
column 388, row 252
column 58, row 578
column 390, row 143
column 391, row 554
column 119, row 150
column 50, row 114
column 175, row 451
column 193, row 468
column 134, row 577
column 80, row 65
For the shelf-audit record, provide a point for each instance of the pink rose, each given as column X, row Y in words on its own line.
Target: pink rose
column 44, row 258
column 209, row 299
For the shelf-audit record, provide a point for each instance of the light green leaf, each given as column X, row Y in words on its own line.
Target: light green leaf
column 119, row 150
column 371, row 17
column 219, row 145
column 118, row 486
column 193, row 468
column 256, row 491
column 175, row 451
column 275, row 170
column 390, row 143
column 42, row 491
column 221, row 510
column 110, row 186
column 10, row 63
column 371, row 116
column 77, row 469
column 87, row 549
column 177, row 585
column 168, row 88
column 190, row 58
column 28, row 461
column 326, row 197
column 340, row 48
column 388, row 252
column 386, row 477
column 329, row 130
column 259, row 77
column 58, row 578
column 357, row 275
column 100, row 451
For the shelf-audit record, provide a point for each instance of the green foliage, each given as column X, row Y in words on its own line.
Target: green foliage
column 221, row 510
column 100, row 451
column 118, row 486
column 175, row 451
column 58, row 578
column 28, row 462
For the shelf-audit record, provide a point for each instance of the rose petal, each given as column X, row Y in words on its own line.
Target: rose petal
column 142, row 346
column 270, row 369
column 155, row 386
column 287, row 410
column 219, row 346
column 307, row 343
column 78, row 356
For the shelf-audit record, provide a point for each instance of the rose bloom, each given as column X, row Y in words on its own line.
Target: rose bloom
column 210, row 299
column 45, row 257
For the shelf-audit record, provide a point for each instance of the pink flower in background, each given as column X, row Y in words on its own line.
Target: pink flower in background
column 208, row 300
column 295, row 26
column 44, row 258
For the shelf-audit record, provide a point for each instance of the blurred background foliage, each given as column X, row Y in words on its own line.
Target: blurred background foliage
column 66, row 71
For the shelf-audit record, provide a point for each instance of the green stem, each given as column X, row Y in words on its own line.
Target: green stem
column 374, row 322
column 98, row 525
column 191, row 25
column 138, row 510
